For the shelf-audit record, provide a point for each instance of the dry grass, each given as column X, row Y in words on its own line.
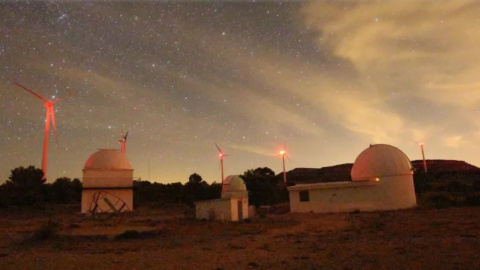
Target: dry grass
column 161, row 239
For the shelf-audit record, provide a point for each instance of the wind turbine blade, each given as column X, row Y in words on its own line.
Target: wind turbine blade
column 125, row 138
column 31, row 91
column 219, row 150
column 52, row 113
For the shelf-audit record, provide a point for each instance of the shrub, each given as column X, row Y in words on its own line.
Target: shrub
column 46, row 232
column 247, row 220
column 128, row 234
column 440, row 201
column 472, row 200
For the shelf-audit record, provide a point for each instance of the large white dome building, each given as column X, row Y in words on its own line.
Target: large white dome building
column 107, row 182
column 380, row 160
column 107, row 159
column 382, row 179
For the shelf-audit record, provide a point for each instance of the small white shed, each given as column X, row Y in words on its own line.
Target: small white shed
column 232, row 206
column 382, row 179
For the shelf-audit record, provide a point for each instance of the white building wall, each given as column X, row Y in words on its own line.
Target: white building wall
column 233, row 209
column 245, row 209
column 239, row 206
column 107, row 178
column 235, row 194
column 117, row 183
column 389, row 193
column 397, row 192
column 221, row 209
column 116, row 196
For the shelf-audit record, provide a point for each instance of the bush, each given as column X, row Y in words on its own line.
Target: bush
column 456, row 186
column 128, row 234
column 46, row 232
column 439, row 201
column 472, row 200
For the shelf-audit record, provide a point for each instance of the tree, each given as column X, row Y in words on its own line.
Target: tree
column 26, row 177
column 64, row 190
column 195, row 189
column 195, row 178
column 24, row 187
column 263, row 187
column 77, row 189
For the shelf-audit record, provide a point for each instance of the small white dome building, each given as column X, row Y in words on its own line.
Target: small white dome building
column 107, row 182
column 232, row 206
column 234, row 187
column 382, row 179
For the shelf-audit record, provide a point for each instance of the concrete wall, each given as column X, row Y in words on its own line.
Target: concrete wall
column 213, row 209
column 244, row 209
column 114, row 185
column 107, row 178
column 117, row 197
column 235, row 194
column 225, row 209
column 388, row 193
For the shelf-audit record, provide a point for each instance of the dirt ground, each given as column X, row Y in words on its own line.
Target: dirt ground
column 160, row 239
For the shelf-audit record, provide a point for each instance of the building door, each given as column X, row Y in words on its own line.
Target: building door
column 240, row 210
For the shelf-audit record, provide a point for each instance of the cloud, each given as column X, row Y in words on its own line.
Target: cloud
column 365, row 115
column 453, row 141
column 420, row 48
column 421, row 51
column 253, row 149
column 265, row 105
column 355, row 105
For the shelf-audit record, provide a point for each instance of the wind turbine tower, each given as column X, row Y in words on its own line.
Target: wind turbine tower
column 423, row 156
column 283, row 153
column 49, row 117
column 123, row 143
column 221, row 155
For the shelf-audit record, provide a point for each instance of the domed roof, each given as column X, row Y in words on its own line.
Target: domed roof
column 107, row 159
column 380, row 160
column 233, row 183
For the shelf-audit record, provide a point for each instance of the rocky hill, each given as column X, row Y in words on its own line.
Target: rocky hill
column 342, row 172
column 437, row 166
column 318, row 175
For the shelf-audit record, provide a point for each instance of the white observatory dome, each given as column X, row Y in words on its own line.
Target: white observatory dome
column 380, row 160
column 233, row 183
column 107, row 159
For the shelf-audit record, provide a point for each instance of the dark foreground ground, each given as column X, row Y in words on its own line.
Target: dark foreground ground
column 160, row 239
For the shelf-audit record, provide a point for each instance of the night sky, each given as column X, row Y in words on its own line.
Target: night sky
column 324, row 78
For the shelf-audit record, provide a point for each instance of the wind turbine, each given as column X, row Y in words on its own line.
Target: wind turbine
column 221, row 155
column 123, row 143
column 423, row 155
column 50, row 116
column 283, row 153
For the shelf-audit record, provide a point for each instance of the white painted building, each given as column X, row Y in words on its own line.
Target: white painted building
column 232, row 206
column 107, row 182
column 382, row 179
